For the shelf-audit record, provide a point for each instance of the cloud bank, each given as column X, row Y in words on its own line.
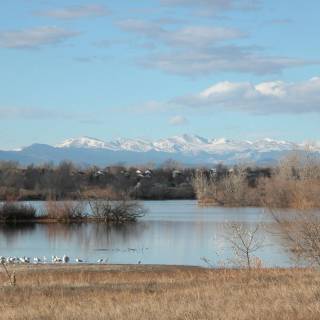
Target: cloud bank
column 34, row 37
column 230, row 58
column 199, row 36
column 264, row 98
column 203, row 50
column 31, row 113
column 178, row 120
column 75, row 12
column 213, row 7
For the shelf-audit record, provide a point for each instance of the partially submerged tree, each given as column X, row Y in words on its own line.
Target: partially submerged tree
column 11, row 212
column 65, row 211
column 119, row 211
column 228, row 188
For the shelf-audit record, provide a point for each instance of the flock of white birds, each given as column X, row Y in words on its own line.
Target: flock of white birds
column 44, row 260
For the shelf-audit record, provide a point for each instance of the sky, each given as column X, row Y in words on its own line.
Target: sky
column 238, row 69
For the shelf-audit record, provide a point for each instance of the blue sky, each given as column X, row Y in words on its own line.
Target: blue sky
column 240, row 69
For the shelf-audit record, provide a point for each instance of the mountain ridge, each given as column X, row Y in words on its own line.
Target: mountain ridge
column 190, row 150
column 184, row 143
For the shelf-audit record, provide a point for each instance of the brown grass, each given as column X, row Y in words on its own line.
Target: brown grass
column 155, row 292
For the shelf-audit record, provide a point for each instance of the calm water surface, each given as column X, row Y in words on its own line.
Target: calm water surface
column 172, row 232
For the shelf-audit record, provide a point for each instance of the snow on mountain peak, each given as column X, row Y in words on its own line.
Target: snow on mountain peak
column 188, row 144
column 83, row 142
column 137, row 145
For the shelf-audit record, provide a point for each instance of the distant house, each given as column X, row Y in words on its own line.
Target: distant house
column 125, row 173
column 148, row 173
column 98, row 173
column 176, row 173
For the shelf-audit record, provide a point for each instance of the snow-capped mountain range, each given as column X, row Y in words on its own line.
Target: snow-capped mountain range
column 185, row 144
column 188, row 149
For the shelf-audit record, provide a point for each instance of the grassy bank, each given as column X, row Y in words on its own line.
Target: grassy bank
column 159, row 292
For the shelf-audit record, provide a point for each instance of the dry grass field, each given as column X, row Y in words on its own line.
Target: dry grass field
column 158, row 292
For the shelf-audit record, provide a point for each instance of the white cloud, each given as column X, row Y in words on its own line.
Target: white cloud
column 36, row 113
column 213, row 7
column 199, row 36
column 178, row 120
column 230, row 58
column 263, row 98
column 34, row 37
column 150, row 107
column 30, row 113
column 75, row 12
column 202, row 50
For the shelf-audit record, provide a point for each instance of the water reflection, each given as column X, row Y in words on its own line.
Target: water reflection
column 173, row 232
column 95, row 235
column 11, row 231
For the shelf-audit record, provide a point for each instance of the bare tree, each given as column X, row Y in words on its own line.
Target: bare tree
column 206, row 188
column 119, row 211
column 300, row 231
column 65, row 211
column 297, row 186
column 234, row 186
column 296, row 182
column 229, row 189
column 245, row 241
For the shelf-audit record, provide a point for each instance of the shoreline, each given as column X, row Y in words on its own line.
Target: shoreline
column 61, row 221
column 143, row 267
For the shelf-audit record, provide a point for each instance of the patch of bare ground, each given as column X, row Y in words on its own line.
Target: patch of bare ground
column 159, row 292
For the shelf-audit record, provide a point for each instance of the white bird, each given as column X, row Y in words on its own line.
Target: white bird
column 36, row 260
column 78, row 260
column 24, row 260
column 2, row 260
column 56, row 259
column 100, row 261
column 10, row 260
column 65, row 259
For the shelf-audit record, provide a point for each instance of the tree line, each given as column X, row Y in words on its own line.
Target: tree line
column 68, row 180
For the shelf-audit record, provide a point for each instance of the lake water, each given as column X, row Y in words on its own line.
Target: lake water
column 172, row 232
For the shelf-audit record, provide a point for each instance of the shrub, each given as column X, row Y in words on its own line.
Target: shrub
column 64, row 210
column 231, row 190
column 116, row 211
column 12, row 211
column 297, row 186
column 296, row 183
